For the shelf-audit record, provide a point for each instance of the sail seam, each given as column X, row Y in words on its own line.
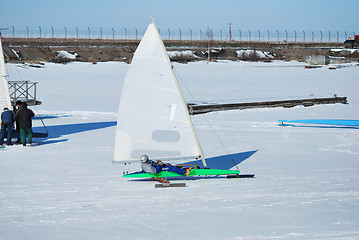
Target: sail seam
column 151, row 114
column 148, row 85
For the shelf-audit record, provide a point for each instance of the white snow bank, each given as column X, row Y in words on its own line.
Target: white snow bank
column 260, row 54
column 344, row 49
column 215, row 50
column 66, row 54
column 186, row 54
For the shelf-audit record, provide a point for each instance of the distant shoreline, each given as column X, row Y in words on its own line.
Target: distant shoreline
column 100, row 50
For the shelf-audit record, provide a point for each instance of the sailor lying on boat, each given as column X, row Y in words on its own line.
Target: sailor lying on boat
column 150, row 166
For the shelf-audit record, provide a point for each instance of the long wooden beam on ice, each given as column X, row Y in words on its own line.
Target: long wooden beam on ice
column 201, row 109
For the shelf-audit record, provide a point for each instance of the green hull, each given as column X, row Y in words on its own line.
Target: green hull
column 194, row 172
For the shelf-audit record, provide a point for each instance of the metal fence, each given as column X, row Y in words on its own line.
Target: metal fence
column 178, row 34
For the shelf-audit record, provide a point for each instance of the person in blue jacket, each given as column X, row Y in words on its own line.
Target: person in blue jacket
column 7, row 123
column 150, row 166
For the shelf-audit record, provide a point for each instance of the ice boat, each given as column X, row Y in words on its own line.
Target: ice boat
column 153, row 118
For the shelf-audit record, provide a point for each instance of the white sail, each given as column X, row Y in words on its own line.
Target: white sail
column 4, row 88
column 153, row 118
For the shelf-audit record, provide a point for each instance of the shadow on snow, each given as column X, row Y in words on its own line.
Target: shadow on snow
column 225, row 161
column 219, row 162
column 49, row 116
column 58, row 131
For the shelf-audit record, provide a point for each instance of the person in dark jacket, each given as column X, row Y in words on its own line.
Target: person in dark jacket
column 17, row 128
column 7, row 123
column 24, row 118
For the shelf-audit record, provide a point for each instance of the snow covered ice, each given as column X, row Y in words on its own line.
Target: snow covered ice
column 306, row 185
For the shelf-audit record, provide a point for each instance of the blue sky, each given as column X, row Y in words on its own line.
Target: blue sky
column 306, row 15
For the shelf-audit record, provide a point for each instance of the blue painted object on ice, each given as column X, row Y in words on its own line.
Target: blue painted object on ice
column 335, row 122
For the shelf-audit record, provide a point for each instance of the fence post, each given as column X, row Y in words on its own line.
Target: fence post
column 321, row 36
column 259, row 35
column 312, row 36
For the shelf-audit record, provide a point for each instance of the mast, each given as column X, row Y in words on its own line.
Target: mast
column 4, row 88
column 181, row 96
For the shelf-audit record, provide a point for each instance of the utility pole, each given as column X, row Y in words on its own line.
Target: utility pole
column 230, row 31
